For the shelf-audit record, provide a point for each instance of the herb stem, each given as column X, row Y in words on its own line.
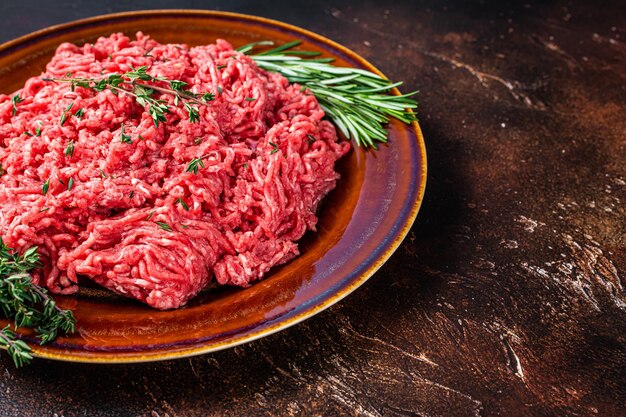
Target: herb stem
column 131, row 83
column 180, row 94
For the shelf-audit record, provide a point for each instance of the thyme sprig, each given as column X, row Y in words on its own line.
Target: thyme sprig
column 27, row 304
column 357, row 101
column 135, row 84
column 19, row 351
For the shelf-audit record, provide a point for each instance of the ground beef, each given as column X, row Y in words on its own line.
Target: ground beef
column 116, row 212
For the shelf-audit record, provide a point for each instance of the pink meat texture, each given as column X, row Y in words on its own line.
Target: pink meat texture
column 262, row 181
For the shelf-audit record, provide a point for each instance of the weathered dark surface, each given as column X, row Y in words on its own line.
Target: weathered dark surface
column 507, row 298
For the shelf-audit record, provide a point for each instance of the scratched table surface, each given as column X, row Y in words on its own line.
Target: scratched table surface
column 507, row 297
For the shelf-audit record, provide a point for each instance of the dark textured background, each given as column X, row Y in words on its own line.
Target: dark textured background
column 507, row 297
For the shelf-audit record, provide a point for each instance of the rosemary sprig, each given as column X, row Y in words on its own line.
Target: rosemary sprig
column 357, row 101
column 27, row 304
column 135, row 84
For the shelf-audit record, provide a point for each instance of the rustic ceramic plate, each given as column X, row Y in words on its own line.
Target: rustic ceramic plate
column 361, row 222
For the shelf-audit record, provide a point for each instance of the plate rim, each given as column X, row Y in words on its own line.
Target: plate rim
column 189, row 351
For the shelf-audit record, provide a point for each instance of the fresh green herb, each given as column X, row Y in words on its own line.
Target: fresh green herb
column 69, row 149
column 19, row 351
column 220, row 67
column 27, row 304
column 245, row 165
column 140, row 137
column 70, row 184
column 164, row 226
column 102, row 174
column 147, row 54
column 207, row 97
column 45, row 187
column 134, row 83
column 359, row 102
column 124, row 138
column 44, row 209
column 150, row 215
column 219, row 89
column 197, row 141
column 310, row 140
column 250, row 98
column 38, row 131
column 80, row 113
column 177, row 85
column 192, row 111
column 16, row 99
column 274, row 148
column 140, row 73
column 66, row 114
column 184, row 226
column 194, row 165
column 28, row 134
column 182, row 203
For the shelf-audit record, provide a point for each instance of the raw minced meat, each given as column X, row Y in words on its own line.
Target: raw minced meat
column 128, row 215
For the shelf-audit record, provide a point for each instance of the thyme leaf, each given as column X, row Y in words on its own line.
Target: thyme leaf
column 182, row 203
column 69, row 149
column 164, row 226
column 194, row 165
column 15, row 100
